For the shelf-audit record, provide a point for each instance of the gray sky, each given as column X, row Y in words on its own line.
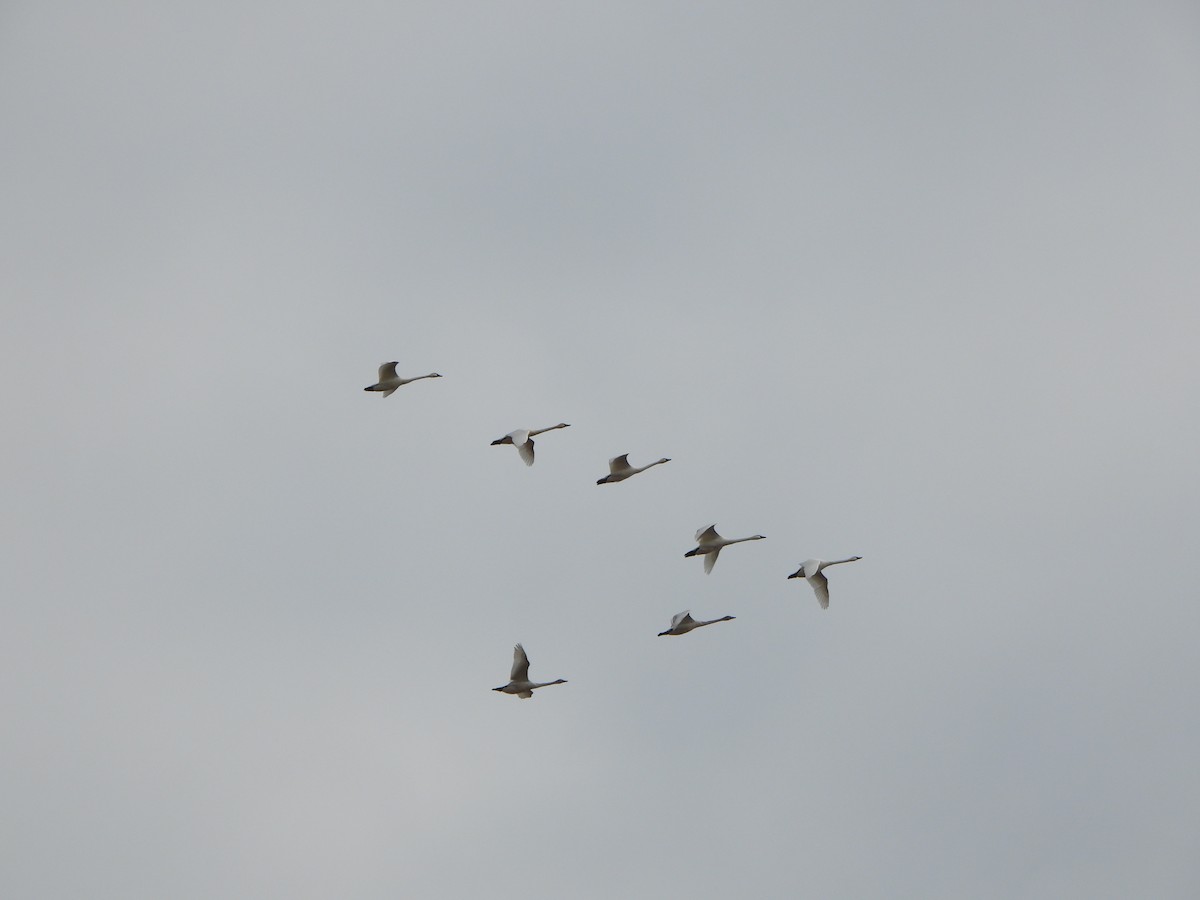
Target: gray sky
column 916, row 282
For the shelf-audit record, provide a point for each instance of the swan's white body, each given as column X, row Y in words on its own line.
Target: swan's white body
column 812, row 570
column 522, row 439
column 519, row 682
column 710, row 544
column 682, row 623
column 389, row 380
column 619, row 469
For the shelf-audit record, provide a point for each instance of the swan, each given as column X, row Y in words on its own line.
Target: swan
column 519, row 682
column 710, row 544
column 619, row 469
column 522, row 439
column 389, row 380
column 682, row 623
column 811, row 569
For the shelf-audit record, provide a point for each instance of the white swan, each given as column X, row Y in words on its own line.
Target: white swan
column 619, row 469
column 389, row 380
column 682, row 623
column 519, row 682
column 811, row 569
column 522, row 439
column 710, row 544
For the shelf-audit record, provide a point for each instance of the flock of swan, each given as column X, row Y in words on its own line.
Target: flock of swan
column 709, row 544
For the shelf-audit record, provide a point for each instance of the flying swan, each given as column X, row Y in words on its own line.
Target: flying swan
column 682, row 623
column 519, row 682
column 522, row 439
column 619, row 469
column 389, row 380
column 811, row 569
column 710, row 544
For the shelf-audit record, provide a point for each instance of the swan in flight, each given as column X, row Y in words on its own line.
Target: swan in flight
column 682, row 623
column 519, row 682
column 710, row 544
column 619, row 469
column 389, row 380
column 811, row 569
column 522, row 439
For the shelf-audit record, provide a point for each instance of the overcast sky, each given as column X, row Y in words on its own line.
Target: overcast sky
column 916, row 282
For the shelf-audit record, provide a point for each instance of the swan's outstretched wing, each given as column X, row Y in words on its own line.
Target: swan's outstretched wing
column 618, row 464
column 710, row 560
column 387, row 372
column 821, row 585
column 679, row 618
column 706, row 534
column 525, row 448
column 520, row 668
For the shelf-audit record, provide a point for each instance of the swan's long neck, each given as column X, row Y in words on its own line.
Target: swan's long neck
column 551, row 428
column 834, row 562
column 533, row 684
column 753, row 537
column 653, row 464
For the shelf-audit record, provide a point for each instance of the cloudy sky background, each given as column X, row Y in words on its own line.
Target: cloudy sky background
column 916, row 282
